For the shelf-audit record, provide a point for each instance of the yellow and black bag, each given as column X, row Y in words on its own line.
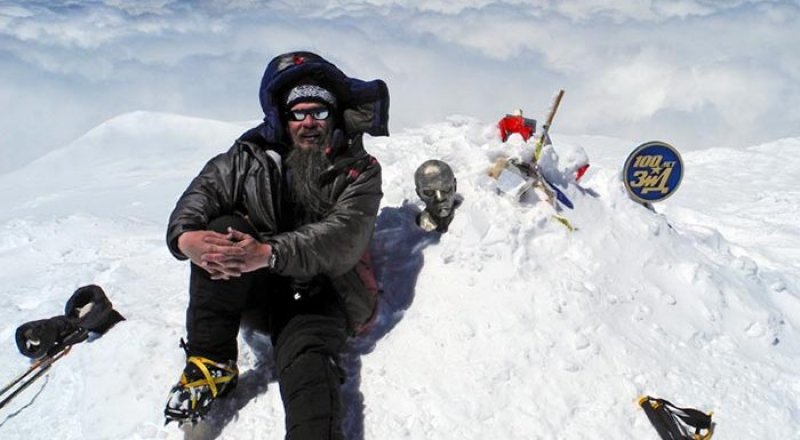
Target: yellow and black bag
column 674, row 423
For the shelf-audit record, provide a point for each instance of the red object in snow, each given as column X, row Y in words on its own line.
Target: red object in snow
column 511, row 124
column 580, row 172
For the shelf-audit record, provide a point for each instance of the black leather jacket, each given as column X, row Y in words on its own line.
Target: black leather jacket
column 247, row 180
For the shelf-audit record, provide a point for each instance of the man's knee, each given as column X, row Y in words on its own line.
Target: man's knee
column 222, row 223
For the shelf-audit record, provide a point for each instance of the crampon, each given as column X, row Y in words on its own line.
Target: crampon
column 202, row 382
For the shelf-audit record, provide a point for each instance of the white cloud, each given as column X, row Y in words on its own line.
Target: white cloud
column 14, row 11
column 682, row 8
column 701, row 72
column 142, row 7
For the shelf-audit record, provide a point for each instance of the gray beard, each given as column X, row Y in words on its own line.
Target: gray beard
column 308, row 202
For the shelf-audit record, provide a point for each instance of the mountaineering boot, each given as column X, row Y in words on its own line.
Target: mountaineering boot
column 202, row 381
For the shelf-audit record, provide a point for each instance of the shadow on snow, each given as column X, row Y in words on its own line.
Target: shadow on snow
column 397, row 257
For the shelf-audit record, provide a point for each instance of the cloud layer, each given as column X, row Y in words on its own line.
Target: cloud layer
column 695, row 73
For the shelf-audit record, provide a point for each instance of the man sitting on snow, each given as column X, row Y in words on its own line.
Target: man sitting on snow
column 281, row 223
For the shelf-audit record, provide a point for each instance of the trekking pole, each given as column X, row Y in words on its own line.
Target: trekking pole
column 24, row 374
column 48, row 340
column 42, row 365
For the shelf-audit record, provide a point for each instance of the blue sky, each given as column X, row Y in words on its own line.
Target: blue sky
column 694, row 73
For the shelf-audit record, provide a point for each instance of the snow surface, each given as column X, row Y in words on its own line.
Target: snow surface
column 506, row 327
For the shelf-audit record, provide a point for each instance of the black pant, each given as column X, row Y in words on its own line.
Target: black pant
column 308, row 328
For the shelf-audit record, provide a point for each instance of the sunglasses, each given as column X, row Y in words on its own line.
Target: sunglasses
column 317, row 114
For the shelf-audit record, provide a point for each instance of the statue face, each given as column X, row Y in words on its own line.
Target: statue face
column 436, row 186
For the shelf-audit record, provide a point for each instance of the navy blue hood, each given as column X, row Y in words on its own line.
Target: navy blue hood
column 363, row 106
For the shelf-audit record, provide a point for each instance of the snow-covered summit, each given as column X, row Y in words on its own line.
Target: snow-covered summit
column 121, row 167
column 506, row 327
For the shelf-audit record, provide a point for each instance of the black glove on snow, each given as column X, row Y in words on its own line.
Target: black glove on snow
column 48, row 336
column 90, row 306
column 88, row 310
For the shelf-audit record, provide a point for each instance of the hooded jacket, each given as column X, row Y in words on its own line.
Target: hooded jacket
column 247, row 179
